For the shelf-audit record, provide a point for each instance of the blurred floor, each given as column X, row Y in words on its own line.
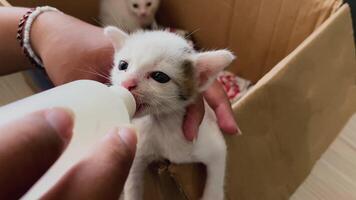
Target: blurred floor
column 334, row 175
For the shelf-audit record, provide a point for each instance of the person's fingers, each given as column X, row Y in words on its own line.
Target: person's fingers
column 218, row 101
column 29, row 146
column 101, row 175
column 193, row 118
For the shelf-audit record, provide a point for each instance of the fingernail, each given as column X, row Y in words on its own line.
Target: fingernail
column 192, row 134
column 195, row 131
column 238, row 131
column 128, row 136
column 61, row 120
column 188, row 132
column 236, row 128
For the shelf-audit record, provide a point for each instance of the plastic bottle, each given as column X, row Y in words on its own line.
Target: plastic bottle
column 97, row 109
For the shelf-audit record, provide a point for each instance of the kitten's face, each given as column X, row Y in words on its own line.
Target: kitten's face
column 143, row 9
column 155, row 67
column 161, row 69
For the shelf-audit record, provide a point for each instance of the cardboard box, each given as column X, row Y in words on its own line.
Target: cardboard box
column 296, row 109
column 300, row 54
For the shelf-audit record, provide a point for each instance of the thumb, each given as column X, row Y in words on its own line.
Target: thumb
column 102, row 175
column 29, row 146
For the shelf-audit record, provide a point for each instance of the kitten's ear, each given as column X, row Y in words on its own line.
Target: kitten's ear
column 116, row 36
column 209, row 64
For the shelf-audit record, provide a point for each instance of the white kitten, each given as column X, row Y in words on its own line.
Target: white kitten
column 129, row 15
column 165, row 74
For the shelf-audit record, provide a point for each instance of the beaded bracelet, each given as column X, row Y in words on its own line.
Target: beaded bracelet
column 24, row 30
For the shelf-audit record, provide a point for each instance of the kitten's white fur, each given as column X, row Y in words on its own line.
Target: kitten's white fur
column 159, row 125
column 121, row 13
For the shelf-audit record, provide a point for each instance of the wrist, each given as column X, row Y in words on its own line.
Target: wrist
column 55, row 30
column 42, row 31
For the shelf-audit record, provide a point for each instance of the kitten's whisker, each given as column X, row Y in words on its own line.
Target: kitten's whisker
column 111, row 11
column 94, row 73
column 99, row 22
column 191, row 33
column 117, row 21
column 102, row 73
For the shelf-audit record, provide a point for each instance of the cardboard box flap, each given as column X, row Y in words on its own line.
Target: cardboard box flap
column 260, row 32
column 300, row 107
column 290, row 117
column 263, row 32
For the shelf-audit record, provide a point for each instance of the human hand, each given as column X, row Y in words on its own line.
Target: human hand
column 71, row 49
column 218, row 101
column 30, row 145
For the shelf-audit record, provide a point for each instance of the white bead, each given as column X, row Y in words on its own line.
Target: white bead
column 27, row 31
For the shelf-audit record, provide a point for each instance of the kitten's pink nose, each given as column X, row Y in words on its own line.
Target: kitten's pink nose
column 129, row 84
column 143, row 14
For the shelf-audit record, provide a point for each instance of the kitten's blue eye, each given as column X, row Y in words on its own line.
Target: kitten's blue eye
column 123, row 65
column 148, row 4
column 160, row 77
column 135, row 5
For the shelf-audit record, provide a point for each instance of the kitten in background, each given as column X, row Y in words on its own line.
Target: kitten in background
column 165, row 75
column 129, row 15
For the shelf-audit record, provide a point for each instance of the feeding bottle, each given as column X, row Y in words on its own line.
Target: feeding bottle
column 97, row 109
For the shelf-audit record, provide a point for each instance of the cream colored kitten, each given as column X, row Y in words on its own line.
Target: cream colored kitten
column 165, row 74
column 129, row 15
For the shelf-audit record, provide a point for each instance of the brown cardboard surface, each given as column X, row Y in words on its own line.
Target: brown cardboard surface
column 209, row 21
column 260, row 32
column 14, row 87
column 300, row 107
column 263, row 32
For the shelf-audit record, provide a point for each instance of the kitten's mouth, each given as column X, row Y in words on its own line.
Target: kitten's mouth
column 143, row 20
column 140, row 107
